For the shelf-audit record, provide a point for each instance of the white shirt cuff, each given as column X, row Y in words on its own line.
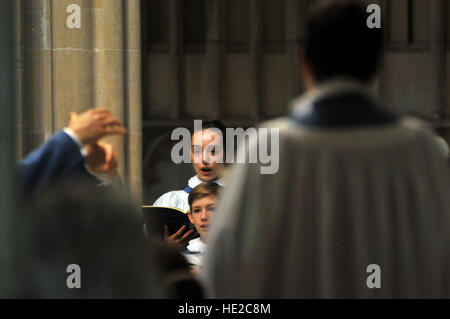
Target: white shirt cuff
column 74, row 138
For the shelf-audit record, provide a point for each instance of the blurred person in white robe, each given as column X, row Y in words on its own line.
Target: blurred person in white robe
column 443, row 147
column 360, row 205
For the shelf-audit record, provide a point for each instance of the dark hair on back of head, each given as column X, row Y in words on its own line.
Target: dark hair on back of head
column 100, row 230
column 340, row 44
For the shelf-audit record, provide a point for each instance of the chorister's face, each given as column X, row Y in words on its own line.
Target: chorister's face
column 206, row 152
column 201, row 213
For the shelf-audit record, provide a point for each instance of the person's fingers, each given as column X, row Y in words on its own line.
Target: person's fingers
column 101, row 117
column 101, row 111
column 114, row 163
column 179, row 232
column 97, row 116
column 187, row 235
column 103, row 153
column 113, row 130
column 111, row 121
column 94, row 146
column 114, row 157
column 108, row 148
column 94, row 113
column 111, row 161
column 97, row 149
column 73, row 116
column 166, row 232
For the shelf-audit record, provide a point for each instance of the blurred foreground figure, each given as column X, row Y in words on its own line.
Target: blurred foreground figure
column 358, row 187
column 98, row 231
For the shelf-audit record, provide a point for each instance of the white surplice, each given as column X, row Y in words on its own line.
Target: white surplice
column 194, row 253
column 342, row 200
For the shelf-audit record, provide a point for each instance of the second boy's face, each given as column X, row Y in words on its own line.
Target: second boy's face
column 206, row 152
column 202, row 213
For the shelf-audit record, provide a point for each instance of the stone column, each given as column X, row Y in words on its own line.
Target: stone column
column 7, row 146
column 96, row 65
column 437, row 44
column 36, row 109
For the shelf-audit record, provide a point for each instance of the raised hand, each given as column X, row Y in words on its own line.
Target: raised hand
column 102, row 159
column 179, row 240
column 94, row 124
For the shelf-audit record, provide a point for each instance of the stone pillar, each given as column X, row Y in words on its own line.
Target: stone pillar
column 96, row 65
column 7, row 146
column 437, row 44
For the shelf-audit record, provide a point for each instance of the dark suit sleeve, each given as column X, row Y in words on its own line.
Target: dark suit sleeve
column 58, row 158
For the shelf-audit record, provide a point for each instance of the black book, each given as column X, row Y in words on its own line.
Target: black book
column 156, row 217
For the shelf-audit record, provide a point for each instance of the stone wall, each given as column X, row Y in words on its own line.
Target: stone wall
column 97, row 65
